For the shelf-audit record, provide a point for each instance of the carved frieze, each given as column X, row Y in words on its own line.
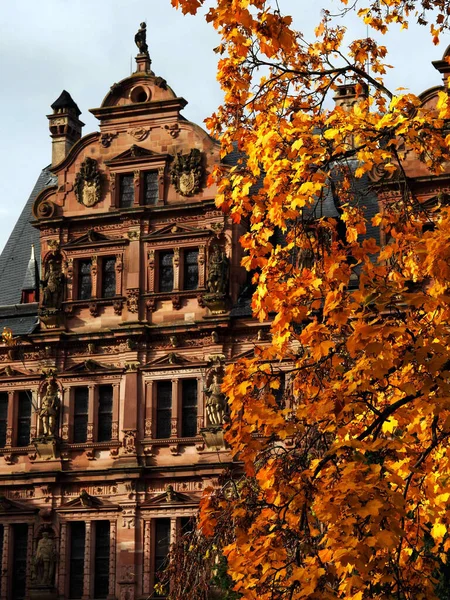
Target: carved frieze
column 187, row 172
column 88, row 183
column 107, row 138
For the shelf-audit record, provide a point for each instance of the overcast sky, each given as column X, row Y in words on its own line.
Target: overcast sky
column 84, row 46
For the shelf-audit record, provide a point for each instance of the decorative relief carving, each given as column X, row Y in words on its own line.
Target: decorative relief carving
column 129, row 442
column 133, row 300
column 129, row 518
column 107, row 138
column 156, row 487
column 187, row 172
column 112, row 187
column 134, row 235
column 118, row 307
column 93, row 309
column 88, row 183
column 139, row 133
column 173, row 130
column 148, row 426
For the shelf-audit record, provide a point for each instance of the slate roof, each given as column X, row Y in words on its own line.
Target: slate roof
column 14, row 266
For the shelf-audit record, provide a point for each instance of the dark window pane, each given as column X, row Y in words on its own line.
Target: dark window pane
column 151, row 188
column 187, row 525
column 163, row 409
column 126, row 198
column 162, row 545
column 84, row 280
column 105, row 413
column 19, row 564
column 166, row 271
column 108, row 277
column 280, row 392
column 101, row 567
column 76, row 562
column 189, row 408
column 24, row 419
column 190, row 269
column 80, row 414
column 3, row 417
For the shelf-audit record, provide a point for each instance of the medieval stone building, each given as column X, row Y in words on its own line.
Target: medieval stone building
column 121, row 302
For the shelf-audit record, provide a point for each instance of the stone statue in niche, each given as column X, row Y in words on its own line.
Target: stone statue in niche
column 215, row 402
column 53, row 284
column 44, row 561
column 141, row 39
column 186, row 172
column 87, row 185
column 49, row 410
column 217, row 282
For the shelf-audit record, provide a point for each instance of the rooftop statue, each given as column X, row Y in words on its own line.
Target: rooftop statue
column 141, row 39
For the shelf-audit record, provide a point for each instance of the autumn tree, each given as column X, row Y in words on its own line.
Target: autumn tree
column 346, row 485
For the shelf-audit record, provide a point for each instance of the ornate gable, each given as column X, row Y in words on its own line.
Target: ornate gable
column 170, row 359
column 89, row 366
column 177, row 231
column 93, row 238
column 136, row 154
column 86, row 502
column 170, row 496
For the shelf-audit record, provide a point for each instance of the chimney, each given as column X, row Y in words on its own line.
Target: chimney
column 65, row 126
column 346, row 94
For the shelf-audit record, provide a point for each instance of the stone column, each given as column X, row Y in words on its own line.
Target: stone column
column 112, row 560
column 10, row 421
column 200, row 405
column 148, row 424
column 147, row 571
column 91, row 414
column 176, row 269
column 5, row 556
column 30, row 557
column 65, row 414
column 116, row 408
column 87, row 562
column 62, row 560
column 175, row 409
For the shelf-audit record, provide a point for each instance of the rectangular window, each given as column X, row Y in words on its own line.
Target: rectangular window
column 108, row 277
column 190, row 269
column 126, row 197
column 189, row 408
column 105, row 413
column 163, row 409
column 84, row 280
column 101, row 559
column 76, row 561
column 165, row 271
column 24, row 419
column 187, row 525
column 151, row 188
column 19, row 565
column 3, row 417
column 162, row 546
column 80, row 414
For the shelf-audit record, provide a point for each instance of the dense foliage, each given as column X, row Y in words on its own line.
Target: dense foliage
column 346, row 492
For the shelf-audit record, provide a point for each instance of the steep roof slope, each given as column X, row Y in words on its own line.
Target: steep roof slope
column 16, row 254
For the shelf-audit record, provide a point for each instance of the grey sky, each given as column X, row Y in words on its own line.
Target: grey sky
column 84, row 46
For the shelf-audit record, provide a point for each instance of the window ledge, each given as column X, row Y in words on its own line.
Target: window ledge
column 176, row 296
column 94, row 304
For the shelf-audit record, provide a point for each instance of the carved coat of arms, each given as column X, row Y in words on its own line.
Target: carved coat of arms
column 88, row 183
column 187, row 172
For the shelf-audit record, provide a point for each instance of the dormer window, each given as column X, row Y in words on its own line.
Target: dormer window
column 126, row 193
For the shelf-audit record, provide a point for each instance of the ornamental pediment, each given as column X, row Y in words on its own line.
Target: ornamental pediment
column 8, row 506
column 135, row 154
column 176, row 230
column 85, row 502
column 89, row 366
column 170, row 496
column 168, row 359
column 11, row 372
column 93, row 238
